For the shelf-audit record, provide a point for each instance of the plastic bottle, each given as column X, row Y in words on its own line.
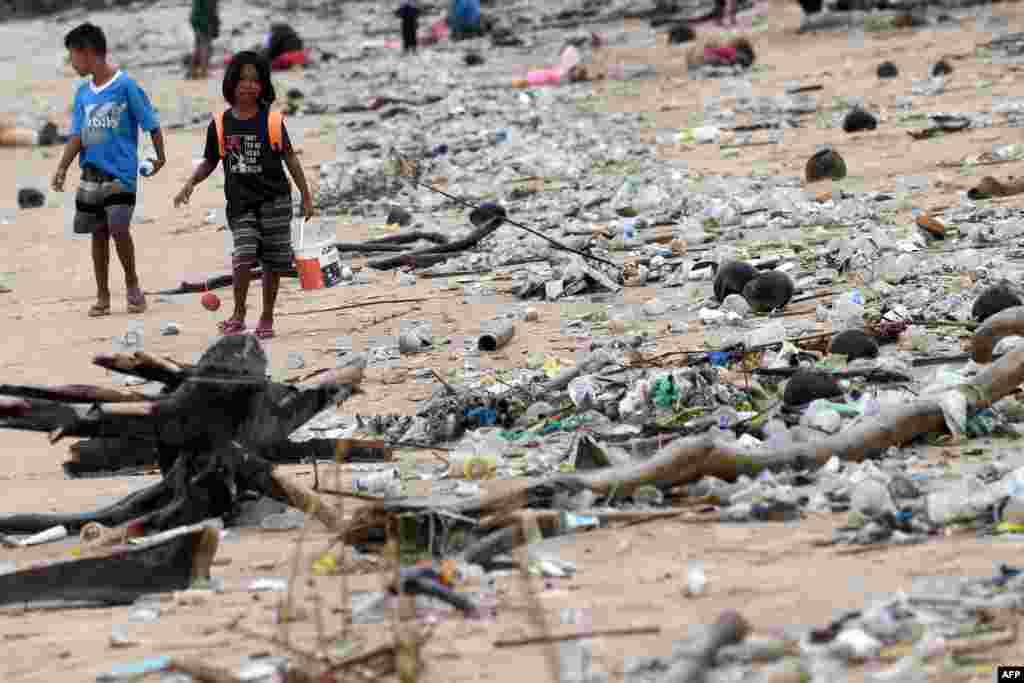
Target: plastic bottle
column 284, row 521
column 132, row 340
column 629, row 230
column 487, row 599
column 386, row 483
column 848, row 311
column 474, row 459
column 471, row 361
column 771, row 333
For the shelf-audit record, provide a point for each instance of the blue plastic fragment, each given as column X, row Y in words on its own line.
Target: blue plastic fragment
column 486, row 416
column 140, row 668
column 719, row 359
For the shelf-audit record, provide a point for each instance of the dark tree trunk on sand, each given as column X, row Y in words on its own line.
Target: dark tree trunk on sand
column 213, row 433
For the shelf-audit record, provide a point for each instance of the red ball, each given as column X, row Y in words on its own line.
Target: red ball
column 211, row 301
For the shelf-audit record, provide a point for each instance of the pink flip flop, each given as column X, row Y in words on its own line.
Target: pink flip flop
column 230, row 327
column 264, row 331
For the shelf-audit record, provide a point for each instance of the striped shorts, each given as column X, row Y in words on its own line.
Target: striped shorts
column 264, row 236
column 103, row 207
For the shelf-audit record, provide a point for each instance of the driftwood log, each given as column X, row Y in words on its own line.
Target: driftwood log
column 441, row 251
column 687, row 460
column 118, row 576
column 429, row 256
column 214, row 282
column 216, row 432
column 397, row 242
column 115, row 452
column 1006, row 323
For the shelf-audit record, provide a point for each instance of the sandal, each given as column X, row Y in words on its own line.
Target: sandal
column 231, row 326
column 137, row 304
column 99, row 310
column 264, row 331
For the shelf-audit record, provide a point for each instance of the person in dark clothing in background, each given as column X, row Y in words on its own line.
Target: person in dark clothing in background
column 410, row 16
column 205, row 20
column 281, row 40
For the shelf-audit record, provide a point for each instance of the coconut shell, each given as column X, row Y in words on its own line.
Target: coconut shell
column 941, row 68
column 853, row 344
column 887, row 70
column 769, row 291
column 487, row 211
column 809, row 385
column 992, row 301
column 732, row 277
column 825, row 164
column 858, row 120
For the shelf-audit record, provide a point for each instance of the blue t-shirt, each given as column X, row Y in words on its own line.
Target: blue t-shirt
column 108, row 120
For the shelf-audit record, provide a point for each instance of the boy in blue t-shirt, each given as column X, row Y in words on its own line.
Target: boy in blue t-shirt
column 107, row 115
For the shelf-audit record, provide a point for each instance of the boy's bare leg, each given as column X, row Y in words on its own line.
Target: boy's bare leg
column 203, row 60
column 101, row 267
column 126, row 253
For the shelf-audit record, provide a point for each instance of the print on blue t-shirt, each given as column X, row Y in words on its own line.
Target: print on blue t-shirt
column 108, row 123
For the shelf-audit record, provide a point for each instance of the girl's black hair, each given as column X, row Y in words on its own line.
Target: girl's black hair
column 234, row 75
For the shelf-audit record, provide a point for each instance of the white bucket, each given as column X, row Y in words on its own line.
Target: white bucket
column 316, row 258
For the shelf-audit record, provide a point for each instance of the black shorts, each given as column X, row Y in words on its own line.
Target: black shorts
column 103, row 207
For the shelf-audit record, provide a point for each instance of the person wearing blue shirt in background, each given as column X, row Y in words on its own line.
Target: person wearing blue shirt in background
column 108, row 112
column 464, row 19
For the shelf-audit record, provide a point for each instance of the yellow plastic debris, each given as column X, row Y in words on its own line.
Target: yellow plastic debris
column 325, row 565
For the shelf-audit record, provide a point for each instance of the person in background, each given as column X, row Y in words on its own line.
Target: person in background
column 13, row 135
column 409, row 13
column 106, row 116
column 464, row 19
column 725, row 13
column 205, row 20
column 254, row 145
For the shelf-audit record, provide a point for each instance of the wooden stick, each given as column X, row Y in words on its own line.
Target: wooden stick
column 347, row 376
column 300, row 497
column 599, row 633
column 535, row 609
column 13, row 407
column 368, row 656
column 358, row 304
column 138, row 409
column 730, row 628
column 144, row 365
column 495, row 521
column 72, row 393
column 203, row 672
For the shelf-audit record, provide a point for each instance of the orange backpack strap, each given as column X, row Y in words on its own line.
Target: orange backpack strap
column 218, row 121
column 275, row 126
